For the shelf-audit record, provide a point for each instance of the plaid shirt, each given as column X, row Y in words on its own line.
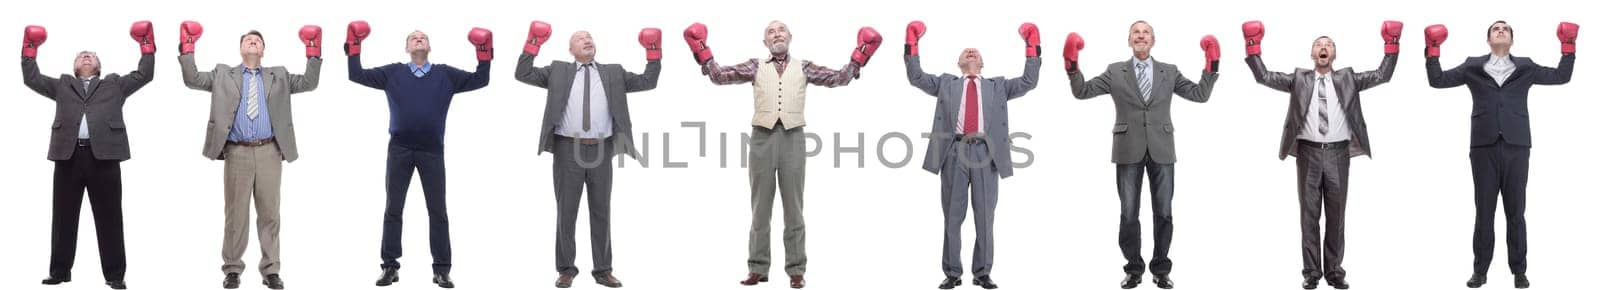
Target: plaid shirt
column 746, row 72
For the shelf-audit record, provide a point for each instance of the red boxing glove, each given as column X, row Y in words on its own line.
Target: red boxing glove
column 482, row 41
column 1391, row 36
column 32, row 37
column 867, row 41
column 1435, row 35
column 143, row 33
column 353, row 34
column 650, row 38
column 1213, row 52
column 1069, row 51
column 1030, row 34
column 1567, row 32
column 695, row 35
column 914, row 32
column 538, row 33
column 311, row 35
column 188, row 33
column 1253, row 32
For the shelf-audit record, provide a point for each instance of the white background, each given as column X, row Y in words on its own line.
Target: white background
column 872, row 227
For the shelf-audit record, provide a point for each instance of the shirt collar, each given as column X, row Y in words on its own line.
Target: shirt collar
column 778, row 58
column 246, row 69
column 580, row 65
column 1494, row 59
column 1148, row 62
column 426, row 66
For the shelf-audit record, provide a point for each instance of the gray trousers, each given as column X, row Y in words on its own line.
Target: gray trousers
column 777, row 164
column 578, row 166
column 251, row 172
column 969, row 171
column 1324, row 177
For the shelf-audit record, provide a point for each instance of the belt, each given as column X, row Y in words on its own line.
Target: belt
column 970, row 139
column 583, row 141
column 251, row 143
column 1320, row 145
column 83, row 142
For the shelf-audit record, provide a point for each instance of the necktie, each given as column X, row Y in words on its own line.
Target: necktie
column 1144, row 82
column 1322, row 108
column 252, row 102
column 969, row 123
column 585, row 70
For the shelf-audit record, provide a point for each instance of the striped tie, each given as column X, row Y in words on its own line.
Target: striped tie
column 253, row 102
column 1144, row 82
column 1322, row 109
column 585, row 71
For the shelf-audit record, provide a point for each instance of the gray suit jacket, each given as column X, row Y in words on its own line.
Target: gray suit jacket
column 557, row 80
column 1143, row 127
column 224, row 83
column 102, row 101
column 951, row 91
column 1301, row 86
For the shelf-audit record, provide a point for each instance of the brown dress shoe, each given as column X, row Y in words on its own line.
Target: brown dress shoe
column 753, row 279
column 797, row 281
column 608, row 281
column 564, row 282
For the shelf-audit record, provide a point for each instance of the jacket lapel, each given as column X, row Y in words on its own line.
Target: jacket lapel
column 1130, row 76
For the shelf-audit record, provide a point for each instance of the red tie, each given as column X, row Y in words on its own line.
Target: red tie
column 969, row 125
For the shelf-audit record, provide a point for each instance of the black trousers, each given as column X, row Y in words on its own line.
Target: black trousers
column 1128, row 183
column 1323, row 172
column 578, row 166
column 103, row 180
column 402, row 160
column 1500, row 170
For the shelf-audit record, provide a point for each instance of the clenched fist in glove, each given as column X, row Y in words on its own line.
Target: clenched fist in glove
column 188, row 33
column 144, row 33
column 1213, row 52
column 32, row 37
column 311, row 35
column 353, row 35
column 867, row 42
column 650, row 39
column 482, row 42
column 538, row 33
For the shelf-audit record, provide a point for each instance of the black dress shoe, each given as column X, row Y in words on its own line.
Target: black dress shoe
column 1521, row 281
column 1338, row 282
column 117, row 284
column 53, row 280
column 1131, row 281
column 230, row 281
column 985, row 282
column 1311, row 282
column 272, row 281
column 444, row 281
column 1477, row 280
column 950, row 283
column 1162, row 281
column 390, row 276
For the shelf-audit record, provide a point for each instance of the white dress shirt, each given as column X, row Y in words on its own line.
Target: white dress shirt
column 1338, row 129
column 599, row 114
column 1499, row 68
column 83, row 122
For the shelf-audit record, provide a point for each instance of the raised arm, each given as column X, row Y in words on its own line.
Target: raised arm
column 354, row 34
column 1018, row 87
column 1254, row 31
column 1391, row 55
column 1081, row 89
column 311, row 36
column 538, row 33
column 144, row 34
column 650, row 39
column 928, row 83
column 1196, row 92
column 1437, row 78
column 1567, row 32
column 827, row 77
column 32, row 37
column 466, row 82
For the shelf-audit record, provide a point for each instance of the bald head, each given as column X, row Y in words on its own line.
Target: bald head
column 971, row 62
column 778, row 37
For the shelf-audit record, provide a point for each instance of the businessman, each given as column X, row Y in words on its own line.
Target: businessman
column 88, row 142
column 1501, row 134
column 250, row 129
column 419, row 95
column 970, row 149
column 586, row 122
column 777, row 138
column 1141, row 139
column 1324, row 129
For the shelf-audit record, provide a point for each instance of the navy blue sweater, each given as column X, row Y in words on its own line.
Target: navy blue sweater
column 418, row 105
